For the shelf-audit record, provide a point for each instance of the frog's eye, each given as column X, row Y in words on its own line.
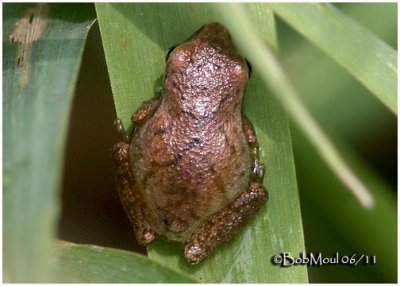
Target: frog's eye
column 169, row 52
column 249, row 67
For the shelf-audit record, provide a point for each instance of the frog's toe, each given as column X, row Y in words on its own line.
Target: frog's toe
column 144, row 237
column 120, row 152
column 258, row 171
column 194, row 253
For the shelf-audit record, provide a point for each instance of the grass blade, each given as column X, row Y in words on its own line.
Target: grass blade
column 334, row 220
column 342, row 221
column 42, row 44
column 135, row 39
column 365, row 56
column 274, row 77
column 95, row 264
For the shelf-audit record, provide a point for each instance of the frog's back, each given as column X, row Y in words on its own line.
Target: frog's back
column 191, row 157
column 188, row 169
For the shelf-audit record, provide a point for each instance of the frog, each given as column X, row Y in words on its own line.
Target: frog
column 190, row 170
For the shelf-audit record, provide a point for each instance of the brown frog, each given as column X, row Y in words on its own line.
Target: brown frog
column 190, row 170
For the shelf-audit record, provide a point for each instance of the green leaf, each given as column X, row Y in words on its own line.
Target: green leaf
column 42, row 49
column 274, row 77
column 335, row 222
column 136, row 38
column 95, row 264
column 365, row 56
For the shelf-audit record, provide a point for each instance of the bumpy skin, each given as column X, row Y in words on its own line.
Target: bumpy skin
column 191, row 171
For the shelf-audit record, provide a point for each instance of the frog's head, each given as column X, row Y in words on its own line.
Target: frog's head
column 207, row 69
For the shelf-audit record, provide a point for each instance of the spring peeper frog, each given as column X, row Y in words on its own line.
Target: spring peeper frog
column 190, row 170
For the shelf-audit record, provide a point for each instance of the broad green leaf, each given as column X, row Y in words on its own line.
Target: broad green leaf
column 326, row 88
column 136, row 38
column 365, row 56
column 334, row 221
column 275, row 78
column 95, row 264
column 42, row 49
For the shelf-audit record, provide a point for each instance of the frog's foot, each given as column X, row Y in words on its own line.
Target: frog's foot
column 145, row 110
column 224, row 224
column 130, row 198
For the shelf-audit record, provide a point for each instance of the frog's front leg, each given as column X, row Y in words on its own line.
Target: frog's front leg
column 131, row 199
column 146, row 109
column 258, row 168
column 223, row 225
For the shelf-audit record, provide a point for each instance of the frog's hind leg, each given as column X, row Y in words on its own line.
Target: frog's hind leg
column 224, row 224
column 129, row 196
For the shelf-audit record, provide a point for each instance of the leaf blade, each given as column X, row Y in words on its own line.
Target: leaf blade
column 247, row 257
column 366, row 57
column 274, row 77
column 37, row 97
column 95, row 264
